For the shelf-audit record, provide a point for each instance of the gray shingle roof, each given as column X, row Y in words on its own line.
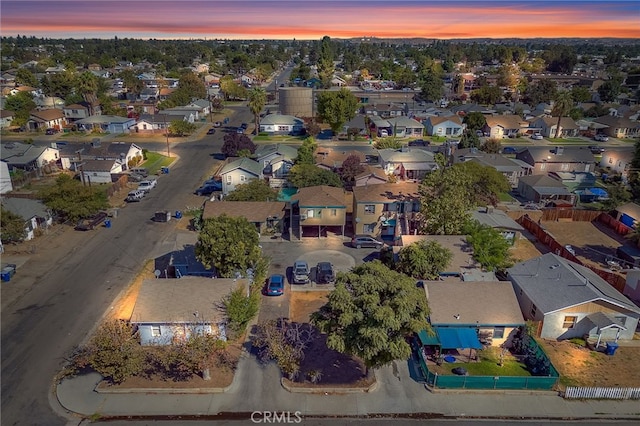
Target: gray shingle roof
column 496, row 219
column 25, row 207
column 554, row 283
column 244, row 163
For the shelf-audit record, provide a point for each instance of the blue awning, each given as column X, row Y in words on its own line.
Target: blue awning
column 458, row 338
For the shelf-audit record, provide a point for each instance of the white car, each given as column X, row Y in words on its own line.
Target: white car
column 536, row 137
column 147, row 185
column 601, row 138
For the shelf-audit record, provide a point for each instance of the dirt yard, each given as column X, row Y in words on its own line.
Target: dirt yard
column 304, row 303
column 579, row 366
column 524, row 249
column 592, row 241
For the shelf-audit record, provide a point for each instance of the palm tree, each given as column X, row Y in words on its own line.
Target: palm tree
column 257, row 101
column 561, row 107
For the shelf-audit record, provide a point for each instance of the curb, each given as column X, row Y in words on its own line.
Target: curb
column 328, row 389
column 104, row 389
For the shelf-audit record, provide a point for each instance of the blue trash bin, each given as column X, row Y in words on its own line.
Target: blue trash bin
column 611, row 348
column 165, row 170
column 5, row 276
column 107, row 223
column 178, row 214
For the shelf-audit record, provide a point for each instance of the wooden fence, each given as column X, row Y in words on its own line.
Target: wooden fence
column 553, row 215
column 617, row 281
column 619, row 227
column 601, row 393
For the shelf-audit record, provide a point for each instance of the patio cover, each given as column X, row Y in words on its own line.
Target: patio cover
column 458, row 338
column 427, row 340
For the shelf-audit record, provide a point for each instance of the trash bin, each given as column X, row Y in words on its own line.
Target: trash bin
column 165, row 170
column 611, row 348
column 107, row 223
column 178, row 214
column 5, row 276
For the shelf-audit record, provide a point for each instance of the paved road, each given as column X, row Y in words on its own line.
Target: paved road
column 75, row 283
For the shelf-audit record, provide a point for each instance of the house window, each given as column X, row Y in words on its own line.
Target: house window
column 564, row 166
column 228, row 179
column 310, row 213
column 319, row 213
column 498, row 332
column 334, row 212
column 155, row 331
column 369, row 209
column 543, row 166
column 369, row 228
column 569, row 321
column 534, row 309
column 243, row 178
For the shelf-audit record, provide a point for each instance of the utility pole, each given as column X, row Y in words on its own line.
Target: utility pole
column 166, row 129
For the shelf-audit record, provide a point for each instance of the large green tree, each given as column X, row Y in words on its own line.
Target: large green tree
column 21, row 104
column 229, row 244
column 446, row 199
column 257, row 101
column 390, row 142
column 26, row 78
column 326, row 67
column 561, row 107
column 485, row 182
column 543, row 90
column 305, row 175
column 475, row 121
column 254, row 190
column 181, row 128
column 71, row 200
column 490, row 248
column 12, row 226
column 306, row 152
column 336, row 108
column 423, row 259
column 432, row 87
column 371, row 313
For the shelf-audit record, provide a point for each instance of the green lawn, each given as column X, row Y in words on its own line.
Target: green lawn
column 504, row 197
column 156, row 161
column 488, row 365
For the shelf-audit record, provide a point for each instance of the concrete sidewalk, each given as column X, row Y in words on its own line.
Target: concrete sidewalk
column 257, row 387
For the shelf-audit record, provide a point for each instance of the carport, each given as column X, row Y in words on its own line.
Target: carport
column 450, row 338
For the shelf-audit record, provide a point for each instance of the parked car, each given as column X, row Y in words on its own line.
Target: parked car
column 209, row 187
column 147, row 185
column 596, row 149
column 537, row 137
column 275, row 285
column 217, row 124
column 140, row 171
column 300, row 272
column 359, row 241
column 211, row 131
column 509, row 150
column 50, row 131
column 601, row 138
column 325, row 273
column 92, row 222
column 240, row 130
column 244, row 126
column 134, row 177
column 135, row 195
column 419, row 142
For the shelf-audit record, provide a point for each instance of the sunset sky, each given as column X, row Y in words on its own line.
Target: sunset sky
column 306, row 19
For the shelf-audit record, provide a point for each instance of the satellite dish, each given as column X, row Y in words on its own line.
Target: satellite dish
column 357, row 220
column 157, row 273
column 383, row 218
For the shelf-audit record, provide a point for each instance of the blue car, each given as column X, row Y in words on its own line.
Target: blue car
column 275, row 285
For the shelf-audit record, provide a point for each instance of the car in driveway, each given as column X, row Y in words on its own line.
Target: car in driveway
column 275, row 285
column 325, row 274
column 359, row 241
column 536, row 137
column 419, row 142
column 209, row 187
column 601, row 138
column 50, row 131
column 300, row 272
column 211, row 131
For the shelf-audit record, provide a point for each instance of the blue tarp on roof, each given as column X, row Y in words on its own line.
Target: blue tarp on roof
column 458, row 338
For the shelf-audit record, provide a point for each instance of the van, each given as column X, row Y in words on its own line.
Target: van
column 140, row 171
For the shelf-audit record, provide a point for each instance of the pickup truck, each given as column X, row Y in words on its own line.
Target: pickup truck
column 147, row 185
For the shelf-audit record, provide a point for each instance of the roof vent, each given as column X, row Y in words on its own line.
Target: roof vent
column 554, row 266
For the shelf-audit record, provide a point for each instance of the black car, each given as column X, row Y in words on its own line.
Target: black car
column 244, row 126
column 209, row 188
column 50, row 131
column 596, row 149
column 211, row 131
column 419, row 142
column 325, row 273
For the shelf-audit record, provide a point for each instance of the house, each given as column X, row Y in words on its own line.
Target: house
column 127, row 154
column 385, row 110
column 46, row 119
column 190, row 114
column 6, row 117
column 332, row 159
column 321, row 208
column 511, row 168
column 505, row 126
column 407, row 163
column 444, row 126
column 75, row 112
column 619, row 127
column 499, row 220
column 35, row 214
column 5, row 178
column 99, row 171
column 26, row 156
column 277, row 160
column 489, row 308
column 168, row 310
column 558, row 159
column 548, row 126
column 571, row 300
column 203, row 105
column 405, row 127
column 543, row 188
column 628, row 214
column 617, row 161
column 356, row 124
column 279, row 124
column 265, row 215
column 153, row 123
column 149, row 93
column 239, row 171
column 106, row 123
column 575, row 180
column 371, row 176
column 386, row 210
column 55, row 70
